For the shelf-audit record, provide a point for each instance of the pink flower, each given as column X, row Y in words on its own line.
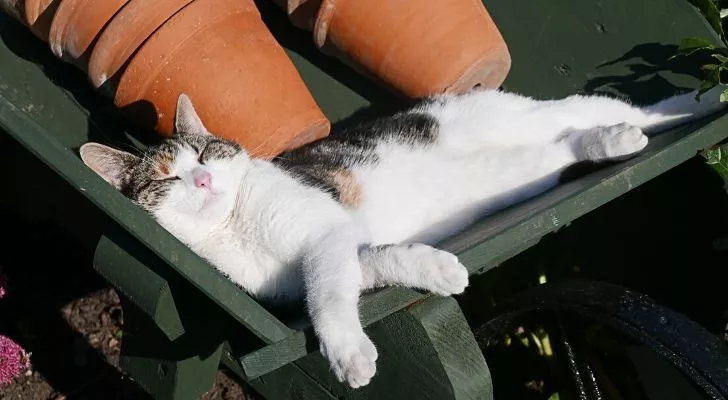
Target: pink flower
column 3, row 284
column 13, row 360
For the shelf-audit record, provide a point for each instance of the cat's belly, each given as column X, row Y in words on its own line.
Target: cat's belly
column 428, row 197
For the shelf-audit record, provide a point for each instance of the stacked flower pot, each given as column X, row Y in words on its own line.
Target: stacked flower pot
column 144, row 53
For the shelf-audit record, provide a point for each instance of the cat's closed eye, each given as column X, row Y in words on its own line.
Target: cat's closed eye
column 203, row 154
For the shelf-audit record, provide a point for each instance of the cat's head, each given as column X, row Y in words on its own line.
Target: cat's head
column 193, row 172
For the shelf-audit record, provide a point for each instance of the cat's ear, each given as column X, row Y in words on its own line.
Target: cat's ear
column 111, row 164
column 186, row 119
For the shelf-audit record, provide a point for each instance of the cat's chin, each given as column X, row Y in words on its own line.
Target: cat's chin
column 214, row 206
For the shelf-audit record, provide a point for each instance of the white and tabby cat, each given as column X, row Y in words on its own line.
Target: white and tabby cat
column 361, row 208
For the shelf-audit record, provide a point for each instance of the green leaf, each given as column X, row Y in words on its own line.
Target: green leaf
column 690, row 45
column 720, row 58
column 554, row 396
column 724, row 96
column 722, row 169
column 717, row 158
column 713, row 156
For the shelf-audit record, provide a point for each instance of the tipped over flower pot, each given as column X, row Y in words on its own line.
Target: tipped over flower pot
column 123, row 35
column 38, row 15
column 419, row 48
column 76, row 24
column 243, row 85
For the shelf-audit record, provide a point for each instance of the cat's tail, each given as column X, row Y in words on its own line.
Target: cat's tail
column 679, row 109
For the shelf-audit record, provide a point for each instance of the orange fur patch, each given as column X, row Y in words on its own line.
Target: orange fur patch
column 164, row 161
column 350, row 193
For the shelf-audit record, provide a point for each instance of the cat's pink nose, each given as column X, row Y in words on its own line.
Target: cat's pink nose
column 203, row 179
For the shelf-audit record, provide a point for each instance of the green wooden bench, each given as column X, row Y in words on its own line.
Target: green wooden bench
column 182, row 319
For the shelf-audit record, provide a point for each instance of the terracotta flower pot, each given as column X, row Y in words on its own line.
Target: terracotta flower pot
column 38, row 16
column 419, row 48
column 243, row 85
column 123, row 35
column 76, row 25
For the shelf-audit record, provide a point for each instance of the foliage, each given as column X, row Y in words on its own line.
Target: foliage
column 715, row 71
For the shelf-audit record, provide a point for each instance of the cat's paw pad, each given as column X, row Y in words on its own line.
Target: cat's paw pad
column 442, row 272
column 622, row 140
column 352, row 361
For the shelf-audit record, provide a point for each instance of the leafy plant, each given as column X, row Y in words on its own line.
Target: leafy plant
column 715, row 71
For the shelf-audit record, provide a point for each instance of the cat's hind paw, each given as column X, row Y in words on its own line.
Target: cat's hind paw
column 352, row 361
column 614, row 142
column 623, row 140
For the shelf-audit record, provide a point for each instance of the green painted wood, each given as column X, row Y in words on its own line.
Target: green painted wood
column 182, row 369
column 287, row 383
column 135, row 280
column 373, row 308
column 426, row 351
column 621, row 47
column 457, row 350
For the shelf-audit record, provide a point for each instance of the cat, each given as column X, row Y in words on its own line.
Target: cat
column 364, row 207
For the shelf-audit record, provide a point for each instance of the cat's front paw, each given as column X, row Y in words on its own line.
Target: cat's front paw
column 441, row 271
column 352, row 361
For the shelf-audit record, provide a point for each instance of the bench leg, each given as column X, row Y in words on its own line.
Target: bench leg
column 181, row 369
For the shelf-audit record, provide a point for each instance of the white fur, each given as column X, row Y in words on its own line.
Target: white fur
column 282, row 240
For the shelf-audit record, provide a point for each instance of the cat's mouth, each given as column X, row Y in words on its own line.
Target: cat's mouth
column 211, row 197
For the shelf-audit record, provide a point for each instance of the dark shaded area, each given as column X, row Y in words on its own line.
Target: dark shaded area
column 662, row 239
column 46, row 270
column 646, row 61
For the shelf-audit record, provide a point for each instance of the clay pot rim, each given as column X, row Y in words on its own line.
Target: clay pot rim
column 323, row 17
column 66, row 15
column 123, row 95
column 38, row 20
column 29, row 12
column 98, row 66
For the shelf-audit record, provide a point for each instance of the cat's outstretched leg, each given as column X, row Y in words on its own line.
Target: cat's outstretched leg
column 602, row 143
column 413, row 265
column 679, row 109
column 333, row 280
column 490, row 118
